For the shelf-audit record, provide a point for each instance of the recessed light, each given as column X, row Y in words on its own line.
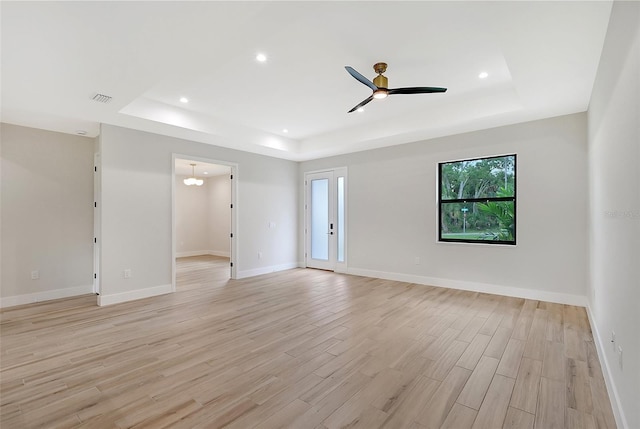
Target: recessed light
column 284, row 130
column 483, row 75
column 206, row 172
column 360, row 109
column 261, row 57
column 81, row 132
column 184, row 100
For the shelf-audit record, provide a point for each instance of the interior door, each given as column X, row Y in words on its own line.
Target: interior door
column 325, row 219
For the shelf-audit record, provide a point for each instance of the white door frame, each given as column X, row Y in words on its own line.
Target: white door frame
column 97, row 221
column 334, row 264
column 233, row 251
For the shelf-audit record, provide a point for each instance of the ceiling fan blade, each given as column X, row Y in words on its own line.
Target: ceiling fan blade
column 361, row 78
column 416, row 90
column 361, row 104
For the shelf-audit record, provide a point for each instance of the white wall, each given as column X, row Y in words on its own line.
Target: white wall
column 392, row 212
column 203, row 217
column 47, row 214
column 219, row 198
column 614, row 190
column 136, row 210
column 192, row 218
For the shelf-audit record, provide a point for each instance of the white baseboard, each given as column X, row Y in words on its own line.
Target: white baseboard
column 191, row 253
column 618, row 412
column 30, row 298
column 538, row 295
column 201, row 253
column 133, row 295
column 265, row 270
column 219, row 253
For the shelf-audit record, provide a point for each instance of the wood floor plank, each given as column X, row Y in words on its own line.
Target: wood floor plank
column 525, row 319
column 326, row 405
column 440, row 345
column 329, row 384
column 511, row 358
column 285, row 415
column 555, row 323
column 489, row 327
column 525, row 392
column 474, row 351
column 575, row 419
column 534, row 348
column 301, row 349
column 553, row 365
column 602, row 413
column 437, row 409
column 518, row 419
column 498, row 343
column 471, row 329
column 578, row 386
column 406, row 382
column 439, row 369
column 420, row 393
column 493, row 410
column 476, row 387
column 551, row 408
column 460, row 417
column 161, row 414
column 353, row 410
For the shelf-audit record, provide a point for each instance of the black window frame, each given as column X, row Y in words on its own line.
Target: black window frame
column 478, row 200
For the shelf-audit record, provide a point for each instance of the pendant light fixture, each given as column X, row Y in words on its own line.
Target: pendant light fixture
column 193, row 180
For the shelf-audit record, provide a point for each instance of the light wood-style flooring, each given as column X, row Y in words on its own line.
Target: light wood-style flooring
column 300, row 349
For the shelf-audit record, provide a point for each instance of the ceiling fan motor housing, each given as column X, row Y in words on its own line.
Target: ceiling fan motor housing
column 380, row 81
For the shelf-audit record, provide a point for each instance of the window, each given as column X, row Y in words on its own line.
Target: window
column 477, row 200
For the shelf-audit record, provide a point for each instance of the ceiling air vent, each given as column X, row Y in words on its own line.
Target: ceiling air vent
column 101, row 98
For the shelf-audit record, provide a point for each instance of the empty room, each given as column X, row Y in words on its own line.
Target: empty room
column 322, row 215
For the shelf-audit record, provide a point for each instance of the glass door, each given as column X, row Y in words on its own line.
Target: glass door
column 325, row 219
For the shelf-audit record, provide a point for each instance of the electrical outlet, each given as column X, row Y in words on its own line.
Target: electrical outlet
column 416, row 260
column 35, row 275
column 127, row 273
column 259, row 255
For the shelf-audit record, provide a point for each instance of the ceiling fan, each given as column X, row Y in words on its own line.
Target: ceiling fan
column 380, row 85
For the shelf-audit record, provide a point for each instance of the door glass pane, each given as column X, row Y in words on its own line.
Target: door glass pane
column 340, row 222
column 320, row 219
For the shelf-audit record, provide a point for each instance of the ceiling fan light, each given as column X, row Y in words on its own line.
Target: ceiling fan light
column 380, row 93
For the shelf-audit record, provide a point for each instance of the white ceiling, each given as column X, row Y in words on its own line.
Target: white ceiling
column 541, row 58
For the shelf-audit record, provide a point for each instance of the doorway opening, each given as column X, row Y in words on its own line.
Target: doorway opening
column 204, row 221
column 326, row 219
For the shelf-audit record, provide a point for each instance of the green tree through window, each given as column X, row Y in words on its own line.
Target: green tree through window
column 477, row 200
